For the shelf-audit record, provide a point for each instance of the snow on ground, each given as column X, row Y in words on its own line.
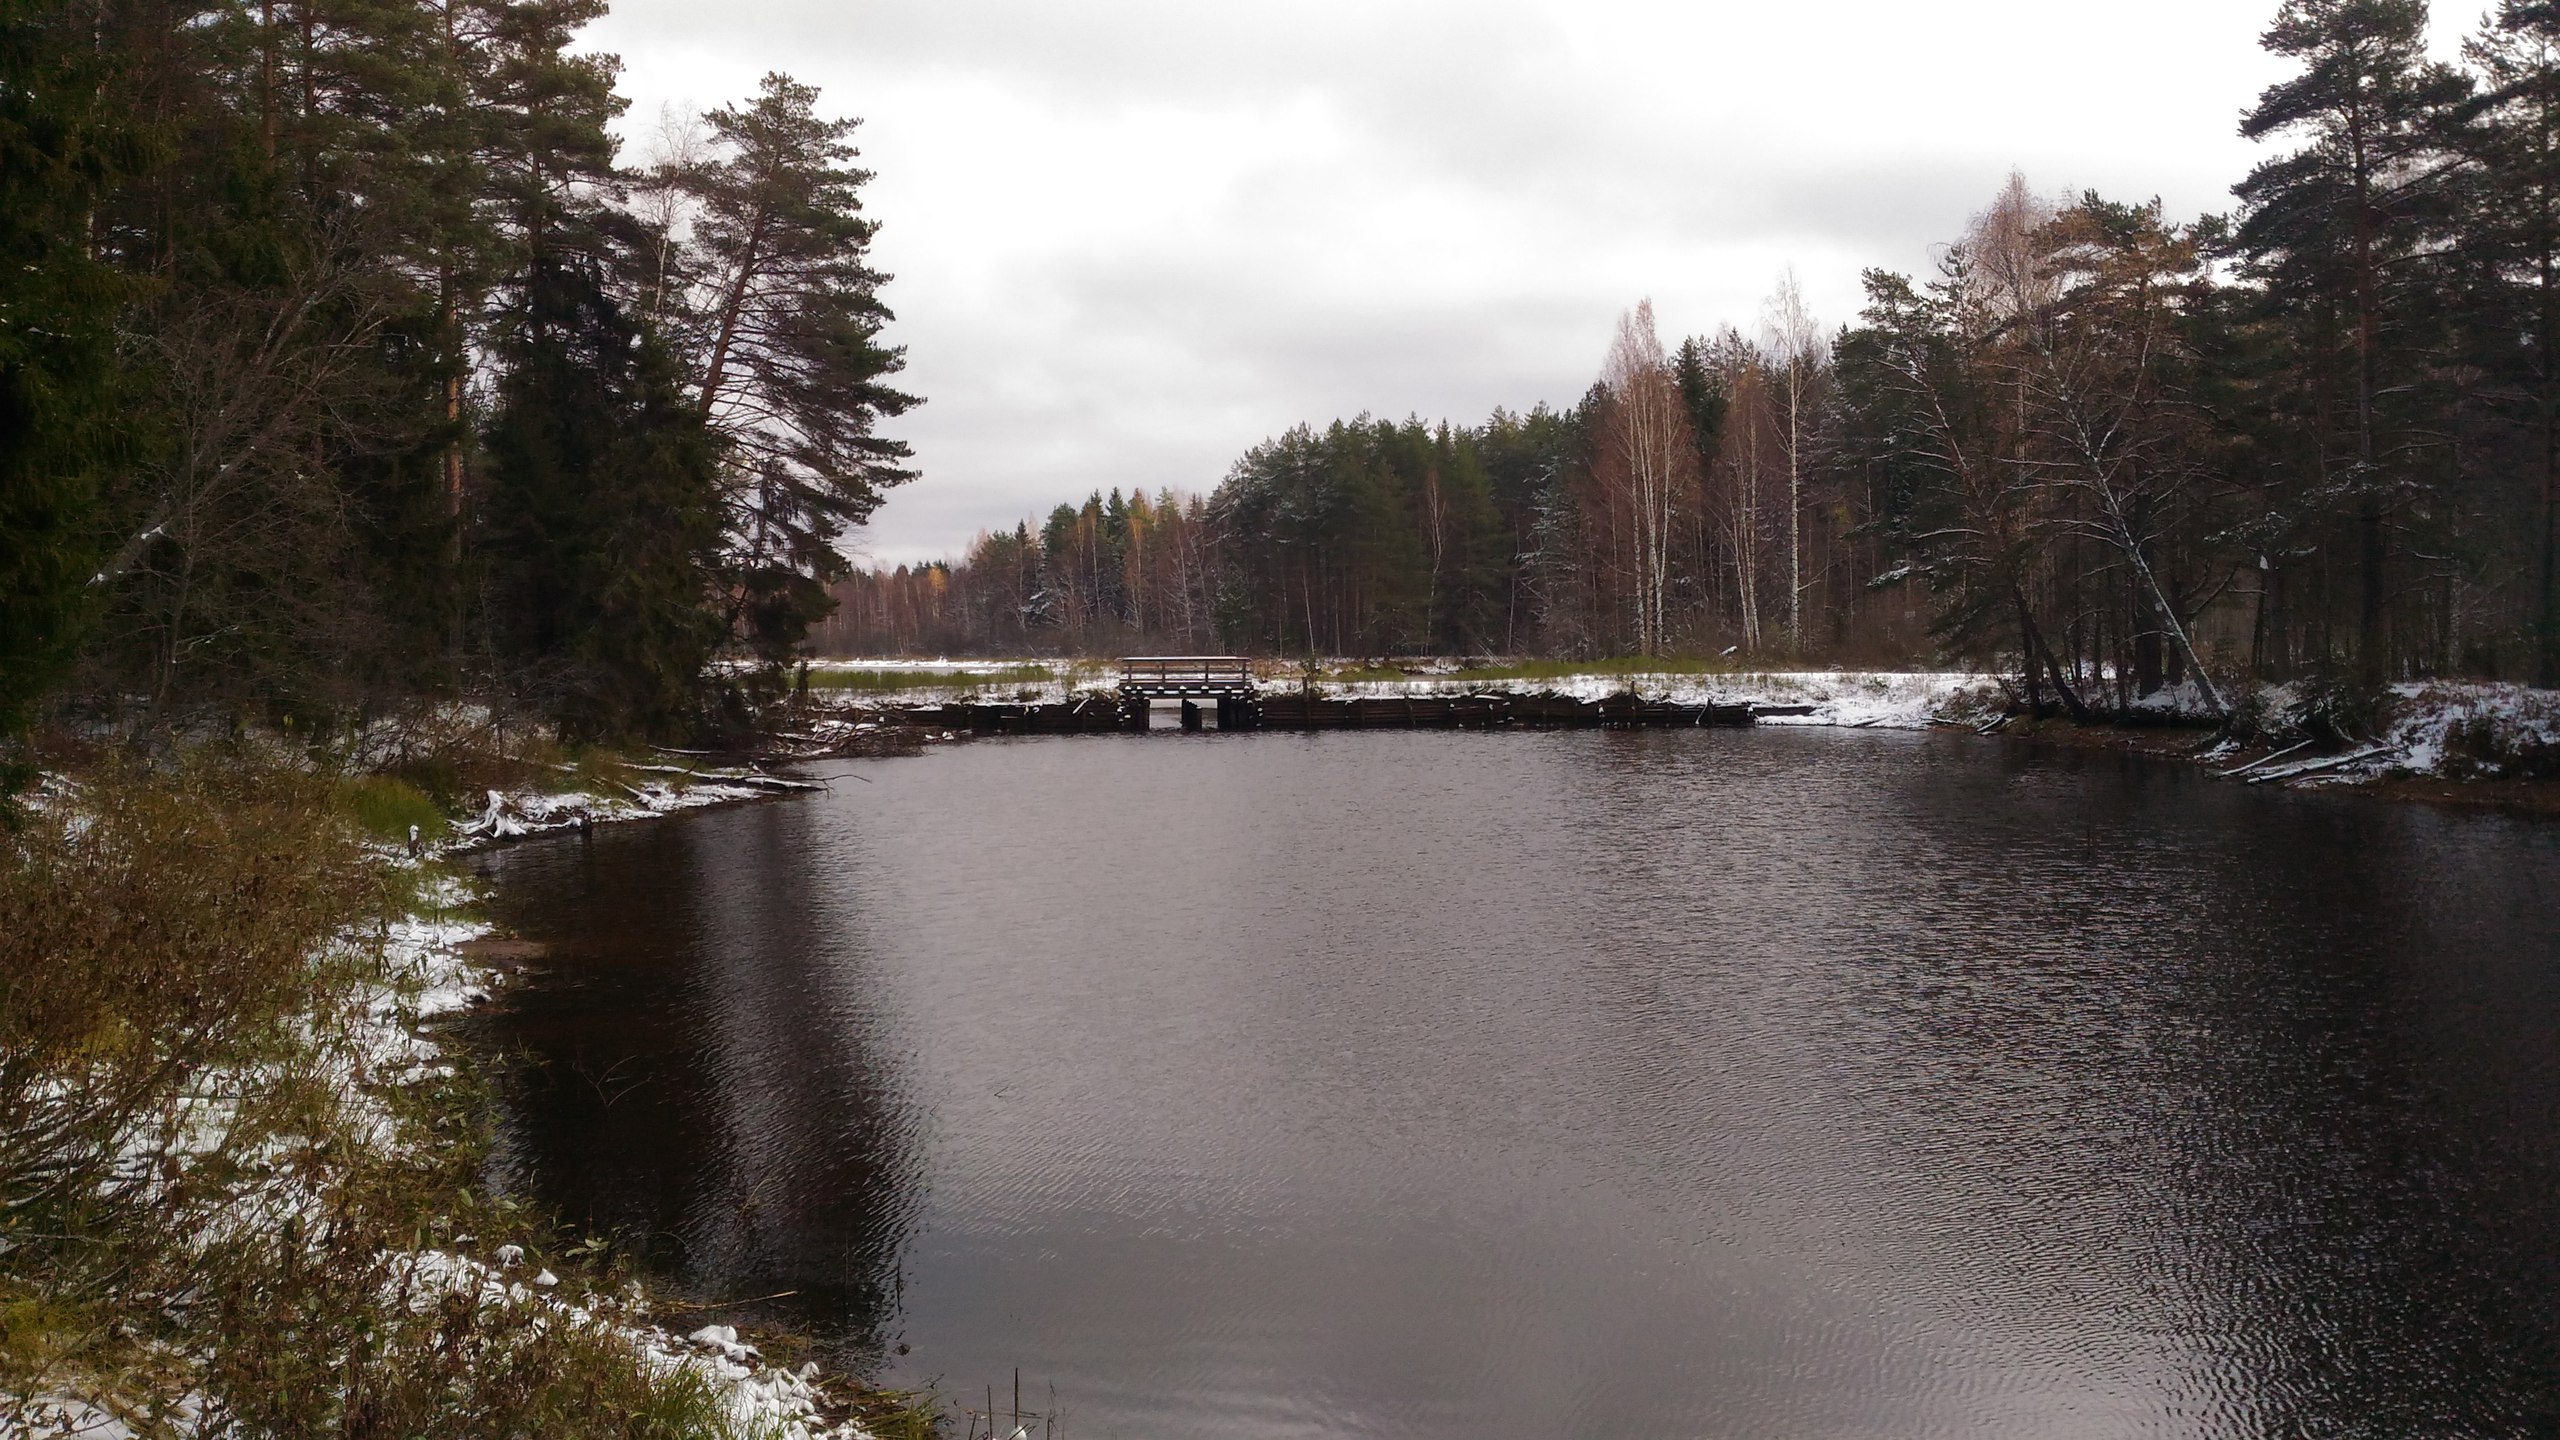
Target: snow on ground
column 383, row 1037
column 1034, row 680
column 2457, row 731
column 512, row 814
column 767, row 1402
column 427, row 976
column 910, row 665
column 1865, row 699
column 1897, row 700
column 2450, row 730
column 2435, row 730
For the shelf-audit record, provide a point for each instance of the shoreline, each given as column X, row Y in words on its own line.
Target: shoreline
column 444, row 962
column 2538, row 799
column 2456, row 745
column 447, row 962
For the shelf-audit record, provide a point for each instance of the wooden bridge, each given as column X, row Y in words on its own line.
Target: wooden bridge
column 1186, row 677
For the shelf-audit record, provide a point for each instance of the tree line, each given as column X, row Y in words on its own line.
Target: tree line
column 2103, row 448
column 344, row 365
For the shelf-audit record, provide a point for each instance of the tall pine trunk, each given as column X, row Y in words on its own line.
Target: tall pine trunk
column 2372, row 544
column 2546, row 664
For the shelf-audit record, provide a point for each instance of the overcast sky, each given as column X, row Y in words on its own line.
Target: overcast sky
column 1132, row 239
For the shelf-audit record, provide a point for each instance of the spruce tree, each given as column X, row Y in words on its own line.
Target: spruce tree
column 58, row 378
column 601, row 513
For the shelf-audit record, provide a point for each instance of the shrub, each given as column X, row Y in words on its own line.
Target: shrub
column 152, row 931
column 212, row 1197
column 2504, row 745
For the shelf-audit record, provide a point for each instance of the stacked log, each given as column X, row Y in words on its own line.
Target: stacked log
column 1297, row 711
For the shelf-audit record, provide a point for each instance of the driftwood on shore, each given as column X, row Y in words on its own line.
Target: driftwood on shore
column 2324, row 765
column 2239, row 770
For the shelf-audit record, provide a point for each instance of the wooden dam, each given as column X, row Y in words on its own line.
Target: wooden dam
column 1222, row 688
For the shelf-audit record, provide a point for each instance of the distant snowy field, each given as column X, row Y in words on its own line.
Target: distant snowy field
column 1898, row 700
column 1865, row 699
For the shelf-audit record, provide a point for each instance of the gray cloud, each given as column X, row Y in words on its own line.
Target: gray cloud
column 1132, row 238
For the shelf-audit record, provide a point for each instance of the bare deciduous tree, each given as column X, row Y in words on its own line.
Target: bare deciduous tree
column 1647, row 434
column 239, row 559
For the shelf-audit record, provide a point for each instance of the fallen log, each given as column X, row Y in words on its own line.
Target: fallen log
column 2264, row 760
column 2321, row 767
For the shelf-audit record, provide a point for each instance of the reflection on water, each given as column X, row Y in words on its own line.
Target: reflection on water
column 1588, row 1084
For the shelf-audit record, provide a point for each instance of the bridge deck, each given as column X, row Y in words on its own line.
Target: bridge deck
column 1183, row 676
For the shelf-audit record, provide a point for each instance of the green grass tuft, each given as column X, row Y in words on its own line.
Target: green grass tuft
column 873, row 682
column 1624, row 665
column 385, row 806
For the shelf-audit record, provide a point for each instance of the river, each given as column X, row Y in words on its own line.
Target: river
column 1675, row 1083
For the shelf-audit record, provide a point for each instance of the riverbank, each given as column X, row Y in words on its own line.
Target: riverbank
column 2463, row 743
column 1901, row 700
column 2479, row 746
column 241, row 1159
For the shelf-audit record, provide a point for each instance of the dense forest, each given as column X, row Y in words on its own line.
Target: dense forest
column 2100, row 447
column 344, row 366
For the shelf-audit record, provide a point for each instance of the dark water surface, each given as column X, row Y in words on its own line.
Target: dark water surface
column 1779, row 1083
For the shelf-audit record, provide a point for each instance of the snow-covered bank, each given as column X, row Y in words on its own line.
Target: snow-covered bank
column 2451, row 731
column 2487, row 731
column 1900, row 700
column 514, row 814
column 1864, row 699
column 2429, row 730
column 427, row 976
column 316, row 1175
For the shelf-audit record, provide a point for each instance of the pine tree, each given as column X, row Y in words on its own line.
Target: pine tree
column 2511, row 230
column 2339, row 231
column 792, row 372
column 524, row 132
column 276, row 541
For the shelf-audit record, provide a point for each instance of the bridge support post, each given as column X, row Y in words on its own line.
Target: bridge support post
column 1190, row 715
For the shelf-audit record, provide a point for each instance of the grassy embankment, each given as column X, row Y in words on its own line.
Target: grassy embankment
column 238, row 1194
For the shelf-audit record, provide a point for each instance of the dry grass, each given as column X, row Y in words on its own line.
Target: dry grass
column 211, row 1204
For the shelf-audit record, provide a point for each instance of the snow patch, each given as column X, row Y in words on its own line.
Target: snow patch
column 1860, row 699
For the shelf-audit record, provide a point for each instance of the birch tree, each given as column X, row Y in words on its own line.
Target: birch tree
column 1798, row 358
column 1647, row 433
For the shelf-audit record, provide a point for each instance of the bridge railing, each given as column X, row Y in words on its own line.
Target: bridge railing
column 1186, row 672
